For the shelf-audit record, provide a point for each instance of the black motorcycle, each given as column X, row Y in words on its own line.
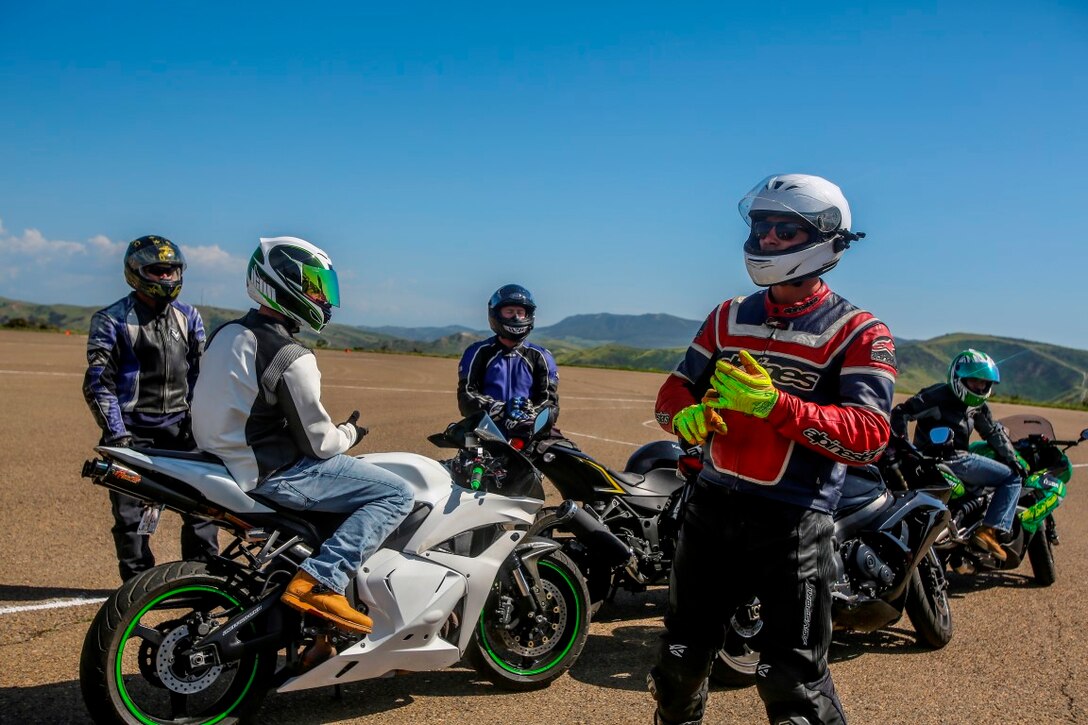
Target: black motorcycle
column 639, row 505
column 1034, row 531
column 885, row 527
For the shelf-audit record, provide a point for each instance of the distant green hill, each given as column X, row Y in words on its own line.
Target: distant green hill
column 633, row 331
column 1030, row 371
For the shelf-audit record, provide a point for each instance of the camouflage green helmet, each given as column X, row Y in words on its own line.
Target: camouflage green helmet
column 974, row 366
column 154, row 265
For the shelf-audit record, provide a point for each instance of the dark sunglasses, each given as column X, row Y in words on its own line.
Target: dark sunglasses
column 161, row 270
column 785, row 231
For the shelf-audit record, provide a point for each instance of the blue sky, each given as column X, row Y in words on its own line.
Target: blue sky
column 593, row 152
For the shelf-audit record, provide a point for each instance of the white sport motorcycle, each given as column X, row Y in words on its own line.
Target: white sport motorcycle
column 194, row 642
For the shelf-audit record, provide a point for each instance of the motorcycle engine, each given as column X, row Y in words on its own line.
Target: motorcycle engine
column 868, row 568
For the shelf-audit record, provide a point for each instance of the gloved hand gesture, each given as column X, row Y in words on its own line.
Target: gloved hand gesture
column 360, row 431
column 696, row 422
column 519, row 409
column 746, row 390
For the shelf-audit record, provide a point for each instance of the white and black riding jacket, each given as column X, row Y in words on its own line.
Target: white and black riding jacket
column 257, row 403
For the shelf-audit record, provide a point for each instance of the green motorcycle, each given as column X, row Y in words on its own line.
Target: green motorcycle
column 1034, row 532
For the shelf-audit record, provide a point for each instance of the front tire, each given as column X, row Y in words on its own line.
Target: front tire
column 927, row 602
column 132, row 669
column 1042, row 559
column 518, row 652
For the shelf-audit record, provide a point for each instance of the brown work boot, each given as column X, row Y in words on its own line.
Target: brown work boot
column 307, row 594
column 986, row 538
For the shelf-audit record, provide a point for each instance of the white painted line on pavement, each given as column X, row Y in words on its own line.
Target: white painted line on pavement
column 41, row 372
column 55, row 604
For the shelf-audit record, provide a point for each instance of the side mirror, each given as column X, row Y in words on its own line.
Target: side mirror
column 1084, row 434
column 941, row 435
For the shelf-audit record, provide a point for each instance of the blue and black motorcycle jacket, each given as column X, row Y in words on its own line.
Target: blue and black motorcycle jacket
column 491, row 375
column 142, row 365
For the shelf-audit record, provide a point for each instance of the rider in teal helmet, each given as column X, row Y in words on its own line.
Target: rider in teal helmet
column 961, row 406
column 972, row 376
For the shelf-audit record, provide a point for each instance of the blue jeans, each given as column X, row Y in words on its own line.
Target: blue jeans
column 377, row 499
column 979, row 472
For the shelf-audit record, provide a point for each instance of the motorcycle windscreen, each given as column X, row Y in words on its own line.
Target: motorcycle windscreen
column 1022, row 426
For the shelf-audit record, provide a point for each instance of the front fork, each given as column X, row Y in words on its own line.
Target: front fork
column 525, row 575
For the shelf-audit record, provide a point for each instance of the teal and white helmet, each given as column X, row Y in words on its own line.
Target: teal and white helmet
column 973, row 365
column 294, row 278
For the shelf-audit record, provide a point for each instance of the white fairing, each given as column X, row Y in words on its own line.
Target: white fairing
column 411, row 592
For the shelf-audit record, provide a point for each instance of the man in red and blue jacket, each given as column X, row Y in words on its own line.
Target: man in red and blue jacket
column 785, row 388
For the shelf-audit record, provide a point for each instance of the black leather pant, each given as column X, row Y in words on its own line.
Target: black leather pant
column 199, row 538
column 733, row 546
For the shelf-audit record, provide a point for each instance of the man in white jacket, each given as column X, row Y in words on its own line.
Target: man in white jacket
column 257, row 406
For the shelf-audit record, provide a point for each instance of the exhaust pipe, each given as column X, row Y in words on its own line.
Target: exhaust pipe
column 604, row 545
column 124, row 480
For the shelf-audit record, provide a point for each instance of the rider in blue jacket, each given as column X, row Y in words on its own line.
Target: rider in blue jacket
column 143, row 354
column 511, row 379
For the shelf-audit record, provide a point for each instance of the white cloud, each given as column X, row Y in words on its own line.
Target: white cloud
column 39, row 269
column 103, row 245
column 213, row 257
column 31, row 247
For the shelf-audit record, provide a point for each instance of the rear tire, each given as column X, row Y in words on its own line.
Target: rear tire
column 1042, row 559
column 131, row 669
column 927, row 602
column 530, row 655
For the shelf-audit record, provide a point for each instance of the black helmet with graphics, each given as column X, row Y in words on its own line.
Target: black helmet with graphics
column 154, row 266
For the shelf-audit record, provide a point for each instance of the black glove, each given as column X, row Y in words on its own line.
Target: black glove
column 360, row 431
column 124, row 441
column 1021, row 470
column 495, row 411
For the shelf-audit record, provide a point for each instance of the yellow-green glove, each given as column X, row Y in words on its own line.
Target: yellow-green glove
column 695, row 422
column 748, row 390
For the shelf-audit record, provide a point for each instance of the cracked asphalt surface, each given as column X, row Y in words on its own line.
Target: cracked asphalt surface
column 1019, row 653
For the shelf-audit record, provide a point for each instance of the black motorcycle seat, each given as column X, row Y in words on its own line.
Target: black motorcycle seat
column 657, row 482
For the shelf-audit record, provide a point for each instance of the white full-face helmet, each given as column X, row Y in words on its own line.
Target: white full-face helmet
column 294, row 278
column 815, row 201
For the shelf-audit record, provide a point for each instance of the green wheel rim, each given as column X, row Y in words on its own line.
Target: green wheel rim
column 132, row 708
column 570, row 640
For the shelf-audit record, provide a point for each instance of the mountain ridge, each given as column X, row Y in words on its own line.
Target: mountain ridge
column 1031, row 371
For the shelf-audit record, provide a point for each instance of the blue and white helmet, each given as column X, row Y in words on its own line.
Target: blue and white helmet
column 977, row 365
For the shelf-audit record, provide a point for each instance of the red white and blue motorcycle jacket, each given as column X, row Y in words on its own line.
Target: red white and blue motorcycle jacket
column 834, row 366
